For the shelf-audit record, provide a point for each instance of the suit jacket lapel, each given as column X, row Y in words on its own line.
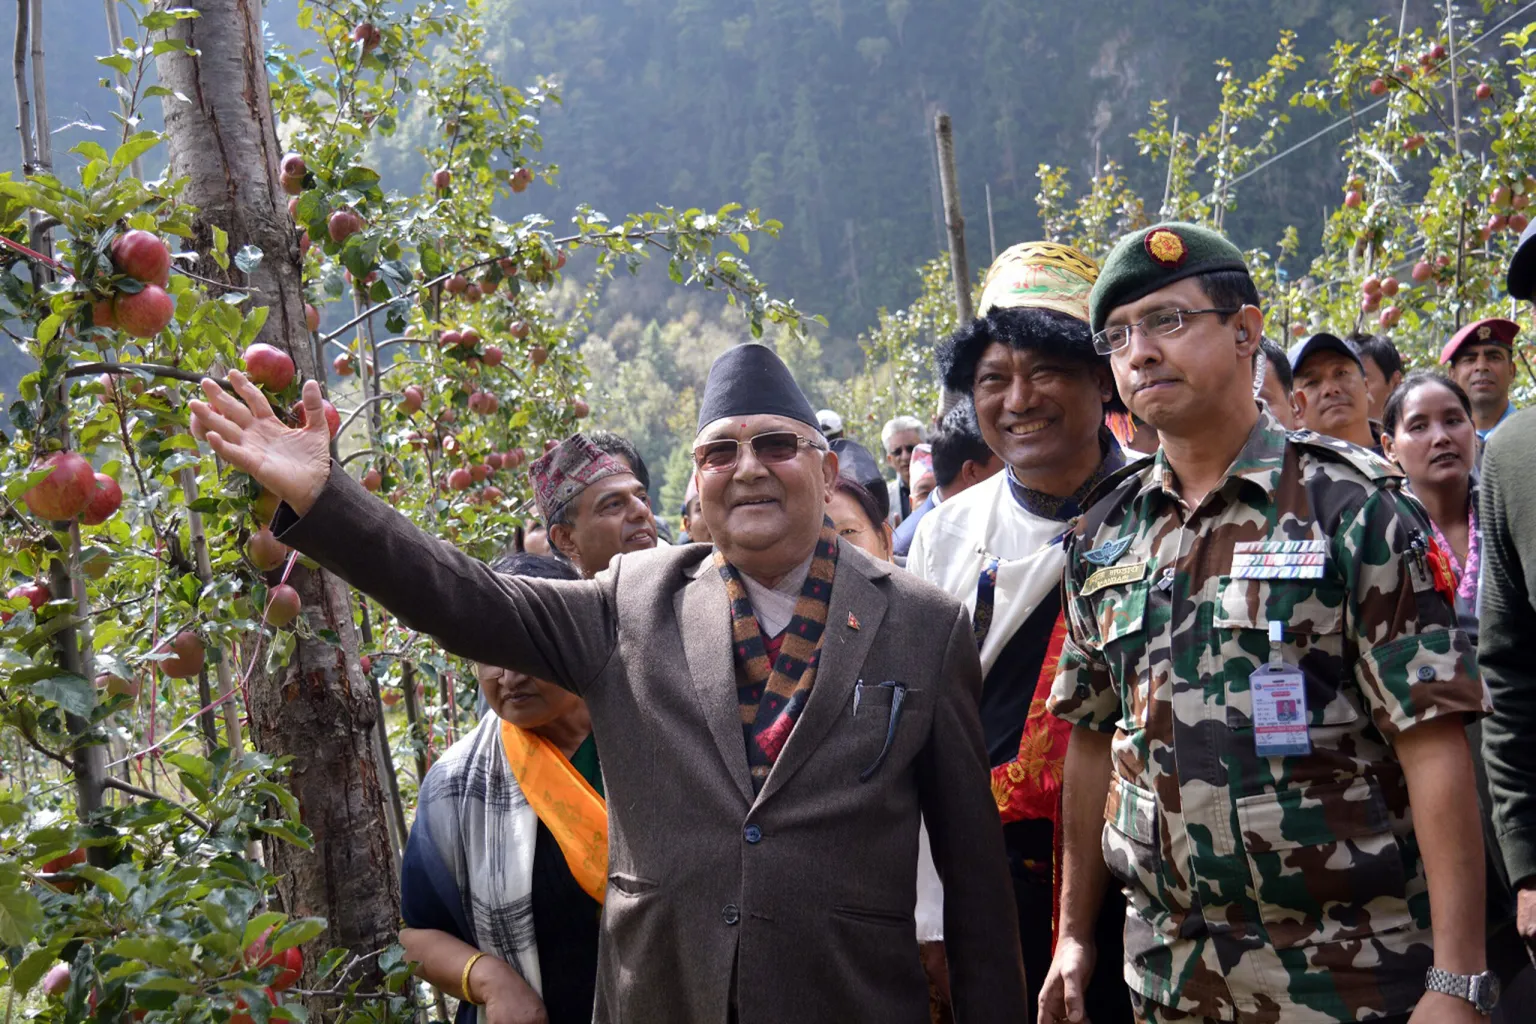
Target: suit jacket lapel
column 704, row 619
column 843, row 650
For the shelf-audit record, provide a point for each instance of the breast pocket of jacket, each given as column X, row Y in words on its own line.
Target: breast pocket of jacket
column 1312, row 614
column 1325, row 863
column 886, row 724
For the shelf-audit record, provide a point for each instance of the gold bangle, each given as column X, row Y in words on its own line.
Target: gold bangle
column 469, row 965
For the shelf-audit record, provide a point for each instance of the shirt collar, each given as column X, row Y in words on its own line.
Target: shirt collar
column 1509, row 410
column 1259, row 463
column 1050, row 506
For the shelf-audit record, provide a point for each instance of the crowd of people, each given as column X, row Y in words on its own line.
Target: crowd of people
column 1169, row 676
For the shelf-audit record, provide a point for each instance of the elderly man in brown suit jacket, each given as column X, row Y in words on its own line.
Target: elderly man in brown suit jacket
column 772, row 715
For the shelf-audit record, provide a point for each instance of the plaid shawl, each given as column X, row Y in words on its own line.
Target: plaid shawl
column 772, row 697
column 470, row 804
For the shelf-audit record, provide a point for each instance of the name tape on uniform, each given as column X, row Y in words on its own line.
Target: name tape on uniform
column 1114, row 576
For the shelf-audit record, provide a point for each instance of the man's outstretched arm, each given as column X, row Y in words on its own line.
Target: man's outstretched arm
column 556, row 630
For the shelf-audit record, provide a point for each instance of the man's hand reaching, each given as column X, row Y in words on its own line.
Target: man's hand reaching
column 292, row 463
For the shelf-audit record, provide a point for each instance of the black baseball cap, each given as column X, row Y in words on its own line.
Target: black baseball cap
column 1322, row 341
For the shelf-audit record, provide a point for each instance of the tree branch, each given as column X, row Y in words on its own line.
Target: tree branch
column 158, row 369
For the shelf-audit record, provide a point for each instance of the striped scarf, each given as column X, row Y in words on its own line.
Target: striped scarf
column 773, row 695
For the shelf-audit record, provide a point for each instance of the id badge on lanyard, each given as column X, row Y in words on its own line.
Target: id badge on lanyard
column 1279, row 693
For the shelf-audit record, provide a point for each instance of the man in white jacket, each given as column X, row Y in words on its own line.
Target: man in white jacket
column 1040, row 393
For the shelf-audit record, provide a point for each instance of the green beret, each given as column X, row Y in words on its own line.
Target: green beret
column 1155, row 257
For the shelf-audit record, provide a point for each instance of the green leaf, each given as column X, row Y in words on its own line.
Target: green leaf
column 90, row 150
column 362, row 178
column 298, row 835
column 70, row 692
column 105, row 880
column 136, row 146
column 220, row 250
column 296, row 933
column 158, row 951
column 31, row 969
column 118, row 62
column 254, row 322
column 260, row 923
column 20, row 914
column 49, row 328
column 742, row 242
column 248, row 259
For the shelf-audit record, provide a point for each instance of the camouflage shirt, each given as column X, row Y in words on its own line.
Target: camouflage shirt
column 1263, row 888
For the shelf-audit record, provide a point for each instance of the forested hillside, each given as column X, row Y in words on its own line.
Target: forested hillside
column 819, row 113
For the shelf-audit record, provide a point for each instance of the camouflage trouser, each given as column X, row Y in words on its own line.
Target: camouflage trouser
column 1148, row 1012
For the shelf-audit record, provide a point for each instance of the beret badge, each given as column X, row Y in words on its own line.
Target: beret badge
column 1484, row 332
column 1166, row 248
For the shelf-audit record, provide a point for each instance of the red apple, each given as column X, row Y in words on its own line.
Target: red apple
column 1520, row 201
column 1352, row 199
column 1390, row 316
column 508, row 266
column 1422, row 271
column 67, row 489
column 519, row 329
column 365, row 663
column 550, row 444
column 343, row 224
column 104, row 503
column 479, row 471
column 559, row 258
column 1298, row 329
column 390, row 698
column 304, row 244
column 332, row 417
column 1501, row 196
column 1442, row 262
column 293, row 165
column 142, row 255
column 442, row 178
column 291, row 186
column 244, row 1018
column 1371, row 303
column 186, row 655
column 456, row 284
column 1436, row 53
column 492, row 493
column 283, row 605
column 492, row 355
column 472, row 292
column 489, row 404
column 36, row 593
column 1371, row 285
column 514, row 458
column 56, row 981
column 538, row 355
column 1413, row 142
column 411, row 398
column 1518, row 222
column 1498, row 222
column 342, row 365
column 1378, row 87
column 520, row 179
column 1389, row 286
column 265, row 550
column 459, row 479
column 448, row 415
column 469, row 338
column 450, row 339
column 290, row 962
column 102, row 313
column 145, row 313
column 268, row 366
column 366, row 33
column 580, row 409
column 1484, row 91
column 116, row 684
column 493, row 460
column 372, row 480
column 311, row 318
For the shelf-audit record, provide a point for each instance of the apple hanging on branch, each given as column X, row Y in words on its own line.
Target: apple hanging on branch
column 67, row 489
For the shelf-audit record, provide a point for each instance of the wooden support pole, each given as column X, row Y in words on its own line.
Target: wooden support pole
column 954, row 223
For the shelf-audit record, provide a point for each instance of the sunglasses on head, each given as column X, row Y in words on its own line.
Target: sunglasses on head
column 775, row 446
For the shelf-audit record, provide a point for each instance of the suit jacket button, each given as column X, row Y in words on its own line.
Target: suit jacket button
column 752, row 834
column 731, row 914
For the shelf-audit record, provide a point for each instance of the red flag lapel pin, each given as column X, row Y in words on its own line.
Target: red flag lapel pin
column 853, row 621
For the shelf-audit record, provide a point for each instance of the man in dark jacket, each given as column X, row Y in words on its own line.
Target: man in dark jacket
column 774, row 716
column 1507, row 614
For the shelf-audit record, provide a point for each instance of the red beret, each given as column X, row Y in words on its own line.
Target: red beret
column 1493, row 331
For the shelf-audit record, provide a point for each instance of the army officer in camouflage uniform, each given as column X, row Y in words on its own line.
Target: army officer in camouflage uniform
column 1269, row 689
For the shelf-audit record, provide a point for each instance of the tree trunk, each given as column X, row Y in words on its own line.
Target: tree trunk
column 321, row 711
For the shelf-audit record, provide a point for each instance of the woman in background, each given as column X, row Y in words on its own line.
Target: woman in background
column 507, row 863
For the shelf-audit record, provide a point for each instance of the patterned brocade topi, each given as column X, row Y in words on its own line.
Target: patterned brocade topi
column 1264, row 888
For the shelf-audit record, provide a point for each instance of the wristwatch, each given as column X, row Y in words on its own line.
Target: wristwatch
column 1481, row 990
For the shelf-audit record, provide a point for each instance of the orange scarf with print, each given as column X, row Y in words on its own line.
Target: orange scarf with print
column 565, row 802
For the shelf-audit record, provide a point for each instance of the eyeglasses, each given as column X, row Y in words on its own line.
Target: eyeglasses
column 775, row 446
column 1154, row 325
column 904, row 449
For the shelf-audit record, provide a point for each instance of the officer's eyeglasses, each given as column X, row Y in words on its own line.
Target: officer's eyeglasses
column 1154, row 325
column 902, row 449
column 775, row 446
